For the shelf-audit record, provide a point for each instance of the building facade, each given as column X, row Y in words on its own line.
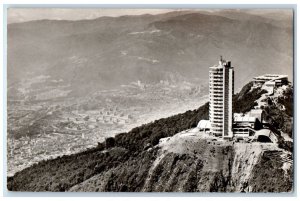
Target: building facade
column 221, row 89
column 270, row 79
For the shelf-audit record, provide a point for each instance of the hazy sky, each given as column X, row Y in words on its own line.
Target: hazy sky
column 28, row 14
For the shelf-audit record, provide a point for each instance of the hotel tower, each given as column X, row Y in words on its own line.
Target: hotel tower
column 221, row 86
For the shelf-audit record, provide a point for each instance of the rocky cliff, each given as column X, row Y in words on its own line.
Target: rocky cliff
column 191, row 162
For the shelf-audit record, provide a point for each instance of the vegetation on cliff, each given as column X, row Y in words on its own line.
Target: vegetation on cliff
column 245, row 100
column 261, row 179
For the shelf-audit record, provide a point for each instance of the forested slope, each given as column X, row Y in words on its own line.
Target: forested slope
column 123, row 162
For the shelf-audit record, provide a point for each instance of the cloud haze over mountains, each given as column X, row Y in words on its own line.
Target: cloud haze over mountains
column 16, row 15
column 176, row 46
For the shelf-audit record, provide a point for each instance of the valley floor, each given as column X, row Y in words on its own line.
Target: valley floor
column 64, row 140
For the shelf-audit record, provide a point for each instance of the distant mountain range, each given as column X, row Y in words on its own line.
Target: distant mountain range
column 106, row 52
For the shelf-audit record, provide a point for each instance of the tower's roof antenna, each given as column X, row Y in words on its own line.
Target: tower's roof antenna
column 221, row 58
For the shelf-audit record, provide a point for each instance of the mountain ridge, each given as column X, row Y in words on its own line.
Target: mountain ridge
column 187, row 43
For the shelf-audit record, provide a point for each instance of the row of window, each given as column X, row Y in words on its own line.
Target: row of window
column 216, row 70
column 219, row 83
column 216, row 107
column 215, row 99
column 216, row 77
column 216, row 96
column 213, row 117
column 216, row 114
column 217, row 89
column 215, row 102
column 216, row 92
column 216, row 111
column 215, row 86
column 213, row 114
column 219, row 95
column 216, row 81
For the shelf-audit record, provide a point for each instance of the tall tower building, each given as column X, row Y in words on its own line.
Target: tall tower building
column 221, row 89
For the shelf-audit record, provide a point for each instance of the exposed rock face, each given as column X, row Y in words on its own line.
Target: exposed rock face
column 245, row 158
column 193, row 162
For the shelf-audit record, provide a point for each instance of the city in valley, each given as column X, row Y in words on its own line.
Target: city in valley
column 47, row 122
